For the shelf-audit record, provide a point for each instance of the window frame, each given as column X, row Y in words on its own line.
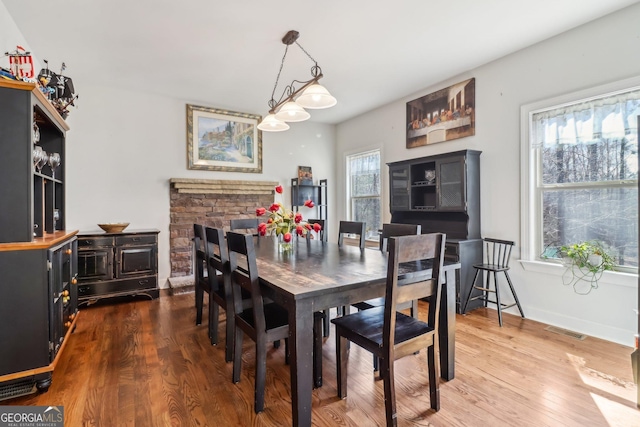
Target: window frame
column 349, row 198
column 531, row 193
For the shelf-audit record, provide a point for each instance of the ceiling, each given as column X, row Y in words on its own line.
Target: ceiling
column 226, row 54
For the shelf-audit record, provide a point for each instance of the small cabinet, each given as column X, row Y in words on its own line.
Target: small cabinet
column 38, row 310
column 117, row 264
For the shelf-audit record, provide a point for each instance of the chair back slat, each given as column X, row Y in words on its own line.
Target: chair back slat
column 396, row 230
column 217, row 259
column 405, row 249
column 498, row 252
column 250, row 225
column 352, row 227
column 242, row 244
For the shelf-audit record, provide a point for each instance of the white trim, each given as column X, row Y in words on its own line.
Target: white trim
column 615, row 278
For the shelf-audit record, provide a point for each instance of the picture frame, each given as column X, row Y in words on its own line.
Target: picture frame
column 443, row 115
column 305, row 175
column 223, row 140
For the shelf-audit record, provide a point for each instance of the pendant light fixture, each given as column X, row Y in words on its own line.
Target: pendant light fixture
column 293, row 101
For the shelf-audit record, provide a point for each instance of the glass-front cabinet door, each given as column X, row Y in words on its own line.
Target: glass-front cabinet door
column 400, row 183
column 451, row 184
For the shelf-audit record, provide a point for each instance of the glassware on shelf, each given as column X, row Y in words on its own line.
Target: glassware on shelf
column 54, row 162
column 44, row 158
column 36, row 133
column 37, row 154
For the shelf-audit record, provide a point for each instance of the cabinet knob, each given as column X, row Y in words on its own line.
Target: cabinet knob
column 68, row 251
column 65, row 293
column 72, row 316
column 74, row 281
column 67, row 324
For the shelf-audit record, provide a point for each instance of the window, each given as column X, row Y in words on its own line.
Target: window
column 583, row 175
column 363, row 191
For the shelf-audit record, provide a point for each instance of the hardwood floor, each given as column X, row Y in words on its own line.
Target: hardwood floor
column 145, row 363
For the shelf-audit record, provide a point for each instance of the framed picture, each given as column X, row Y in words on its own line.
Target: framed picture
column 221, row 140
column 305, row 177
column 444, row 115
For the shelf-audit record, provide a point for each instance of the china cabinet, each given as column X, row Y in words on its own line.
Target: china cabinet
column 38, row 264
column 442, row 194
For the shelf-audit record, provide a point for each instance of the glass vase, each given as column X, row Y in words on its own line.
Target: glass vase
column 285, row 247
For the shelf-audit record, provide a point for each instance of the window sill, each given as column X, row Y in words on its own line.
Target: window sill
column 609, row 277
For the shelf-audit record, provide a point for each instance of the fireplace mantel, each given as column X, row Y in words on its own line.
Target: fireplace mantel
column 220, row 186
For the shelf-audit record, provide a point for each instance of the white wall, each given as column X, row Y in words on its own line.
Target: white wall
column 123, row 147
column 597, row 53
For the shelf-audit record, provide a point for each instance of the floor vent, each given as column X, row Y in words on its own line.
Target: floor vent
column 17, row 388
column 572, row 334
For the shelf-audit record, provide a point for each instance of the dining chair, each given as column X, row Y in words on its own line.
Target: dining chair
column 497, row 254
column 352, row 227
column 320, row 234
column 391, row 230
column 389, row 334
column 262, row 322
column 345, row 227
column 201, row 282
column 396, row 230
column 248, row 224
column 220, row 294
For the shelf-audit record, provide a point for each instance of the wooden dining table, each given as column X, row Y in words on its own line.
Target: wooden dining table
column 317, row 275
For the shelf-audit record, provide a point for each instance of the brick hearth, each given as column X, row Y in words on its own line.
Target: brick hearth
column 211, row 203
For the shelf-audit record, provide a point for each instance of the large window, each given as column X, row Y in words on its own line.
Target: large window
column 363, row 180
column 584, row 175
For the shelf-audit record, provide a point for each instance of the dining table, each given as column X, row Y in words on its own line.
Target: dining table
column 317, row 275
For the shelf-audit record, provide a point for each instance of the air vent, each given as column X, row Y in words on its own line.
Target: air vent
column 17, row 388
column 572, row 334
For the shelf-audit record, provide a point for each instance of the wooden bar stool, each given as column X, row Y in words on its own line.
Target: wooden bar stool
column 497, row 254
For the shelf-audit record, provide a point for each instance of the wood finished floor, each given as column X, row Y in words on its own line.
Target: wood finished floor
column 145, row 363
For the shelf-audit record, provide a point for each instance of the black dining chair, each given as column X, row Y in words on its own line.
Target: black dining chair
column 390, row 334
column 262, row 322
column 201, row 281
column 391, row 230
column 220, row 294
column 352, row 227
column 247, row 224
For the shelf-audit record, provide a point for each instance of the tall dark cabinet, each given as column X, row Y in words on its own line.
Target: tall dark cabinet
column 442, row 194
column 38, row 257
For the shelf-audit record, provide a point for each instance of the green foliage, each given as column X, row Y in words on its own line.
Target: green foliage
column 581, row 253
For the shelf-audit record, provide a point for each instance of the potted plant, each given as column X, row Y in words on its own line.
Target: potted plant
column 586, row 261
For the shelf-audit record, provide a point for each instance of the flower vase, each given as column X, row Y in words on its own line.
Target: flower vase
column 285, row 247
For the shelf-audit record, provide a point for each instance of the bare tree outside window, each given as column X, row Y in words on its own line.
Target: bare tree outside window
column 363, row 176
column 588, row 174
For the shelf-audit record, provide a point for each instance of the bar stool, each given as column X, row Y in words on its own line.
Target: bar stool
column 497, row 255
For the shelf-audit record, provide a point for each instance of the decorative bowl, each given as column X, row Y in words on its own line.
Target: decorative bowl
column 114, row 227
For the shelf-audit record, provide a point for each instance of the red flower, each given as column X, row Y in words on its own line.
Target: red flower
column 260, row 211
column 279, row 189
column 270, row 221
column 309, row 203
column 317, row 227
column 262, row 229
column 274, row 207
column 308, row 226
column 300, row 230
column 298, row 218
column 287, row 237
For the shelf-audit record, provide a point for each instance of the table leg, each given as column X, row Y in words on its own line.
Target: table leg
column 301, row 361
column 447, row 327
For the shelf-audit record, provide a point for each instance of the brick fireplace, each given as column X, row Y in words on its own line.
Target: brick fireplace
column 211, row 203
